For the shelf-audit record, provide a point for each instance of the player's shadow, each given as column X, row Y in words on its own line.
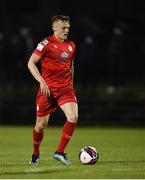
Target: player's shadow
column 29, row 171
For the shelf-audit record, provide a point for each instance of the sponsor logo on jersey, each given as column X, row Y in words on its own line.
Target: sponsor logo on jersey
column 40, row 47
column 64, row 55
column 44, row 41
column 70, row 48
column 42, row 44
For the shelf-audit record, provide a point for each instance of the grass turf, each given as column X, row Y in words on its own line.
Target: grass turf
column 122, row 153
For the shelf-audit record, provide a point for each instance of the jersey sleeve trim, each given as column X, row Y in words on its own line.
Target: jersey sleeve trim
column 37, row 53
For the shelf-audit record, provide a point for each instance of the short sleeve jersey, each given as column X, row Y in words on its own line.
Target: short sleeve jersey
column 56, row 60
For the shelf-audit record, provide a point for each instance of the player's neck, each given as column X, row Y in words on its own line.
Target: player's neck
column 58, row 38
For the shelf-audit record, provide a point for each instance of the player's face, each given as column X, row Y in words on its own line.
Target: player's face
column 61, row 29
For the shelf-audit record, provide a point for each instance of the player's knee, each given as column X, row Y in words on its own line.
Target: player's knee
column 39, row 127
column 41, row 124
column 73, row 118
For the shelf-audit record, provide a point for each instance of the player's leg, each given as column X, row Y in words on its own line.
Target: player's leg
column 44, row 107
column 71, row 111
column 41, row 123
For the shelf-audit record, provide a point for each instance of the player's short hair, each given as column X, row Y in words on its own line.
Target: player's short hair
column 60, row 18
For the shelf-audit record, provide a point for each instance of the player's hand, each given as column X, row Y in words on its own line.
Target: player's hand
column 44, row 88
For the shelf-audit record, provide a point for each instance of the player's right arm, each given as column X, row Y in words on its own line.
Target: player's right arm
column 34, row 59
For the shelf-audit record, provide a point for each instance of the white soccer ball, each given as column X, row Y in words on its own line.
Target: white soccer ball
column 88, row 155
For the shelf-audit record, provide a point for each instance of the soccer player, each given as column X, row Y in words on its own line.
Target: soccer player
column 56, row 55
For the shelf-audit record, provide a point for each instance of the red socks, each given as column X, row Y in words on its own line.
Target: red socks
column 67, row 132
column 37, row 138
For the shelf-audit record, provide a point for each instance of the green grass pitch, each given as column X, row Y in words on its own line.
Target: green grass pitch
column 122, row 153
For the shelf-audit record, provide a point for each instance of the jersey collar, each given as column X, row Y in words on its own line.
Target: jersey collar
column 57, row 40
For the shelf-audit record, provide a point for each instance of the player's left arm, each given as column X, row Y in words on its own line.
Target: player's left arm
column 72, row 70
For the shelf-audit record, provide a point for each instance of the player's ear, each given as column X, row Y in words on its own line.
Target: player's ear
column 54, row 27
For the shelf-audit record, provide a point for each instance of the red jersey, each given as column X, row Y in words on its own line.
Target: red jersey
column 56, row 61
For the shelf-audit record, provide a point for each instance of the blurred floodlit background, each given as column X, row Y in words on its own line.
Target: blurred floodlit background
column 109, row 65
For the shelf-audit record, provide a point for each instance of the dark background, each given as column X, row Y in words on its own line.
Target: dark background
column 109, row 65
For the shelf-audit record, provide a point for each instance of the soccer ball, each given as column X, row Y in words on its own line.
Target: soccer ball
column 88, row 155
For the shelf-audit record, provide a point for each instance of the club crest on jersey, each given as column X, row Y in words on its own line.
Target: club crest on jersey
column 70, row 48
column 64, row 56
